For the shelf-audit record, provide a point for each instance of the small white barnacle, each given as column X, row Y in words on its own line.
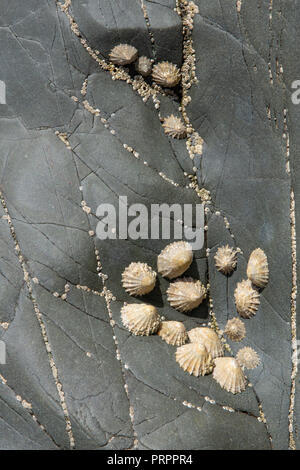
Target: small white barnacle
column 246, row 299
column 229, row 375
column 175, row 259
column 174, row 127
column 173, row 332
column 143, row 66
column 257, row 268
column 166, row 74
column 209, row 339
column 194, row 359
column 140, row 319
column 235, row 329
column 138, row 279
column 248, row 358
column 186, row 294
column 123, row 54
column 225, row 259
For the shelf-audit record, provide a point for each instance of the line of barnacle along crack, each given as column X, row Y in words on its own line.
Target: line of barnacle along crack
column 200, row 351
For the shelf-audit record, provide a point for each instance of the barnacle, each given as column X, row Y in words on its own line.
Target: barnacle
column 140, row 319
column 138, row 279
column 225, row 259
column 144, row 66
column 186, row 294
column 174, row 127
column 246, row 299
column 257, row 268
column 194, row 359
column 248, row 358
column 173, row 332
column 229, row 375
column 209, row 339
column 123, row 54
column 174, row 259
column 166, row 74
column 235, row 329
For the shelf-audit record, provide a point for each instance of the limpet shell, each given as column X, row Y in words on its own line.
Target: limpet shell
column 140, row 319
column 257, row 268
column 248, row 358
column 166, row 74
column 123, row 54
column 173, row 332
column 186, row 294
column 225, row 259
column 143, row 66
column 174, row 127
column 138, row 279
column 235, row 329
column 246, row 299
column 194, row 359
column 229, row 374
column 209, row 339
column 174, row 259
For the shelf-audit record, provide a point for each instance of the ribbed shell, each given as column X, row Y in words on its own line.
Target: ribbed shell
column 186, row 294
column 235, row 329
column 174, row 127
column 194, row 359
column 225, row 259
column 138, row 279
column 140, row 319
column 166, row 74
column 173, row 332
column 229, row 374
column 258, row 269
column 174, row 259
column 248, row 358
column 143, row 66
column 123, row 54
column 209, row 339
column 246, row 299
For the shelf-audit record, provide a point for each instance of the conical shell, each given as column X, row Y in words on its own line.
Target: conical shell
column 229, row 374
column 257, row 269
column 123, row 54
column 209, row 339
column 143, row 66
column 246, row 299
column 138, row 279
column 166, row 74
column 174, row 259
column 194, row 359
column 173, row 332
column 235, row 329
column 248, row 358
column 186, row 294
column 174, row 127
column 140, row 319
column 225, row 259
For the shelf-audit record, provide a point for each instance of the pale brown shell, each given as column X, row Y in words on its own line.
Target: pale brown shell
column 258, row 269
column 143, row 66
column 186, row 294
column 225, row 259
column 173, row 332
column 209, row 339
column 229, row 374
column 123, row 54
column 140, row 319
column 138, row 279
column 174, row 259
column 194, row 359
column 174, row 127
column 166, row 74
column 248, row 358
column 246, row 299
column 235, row 329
